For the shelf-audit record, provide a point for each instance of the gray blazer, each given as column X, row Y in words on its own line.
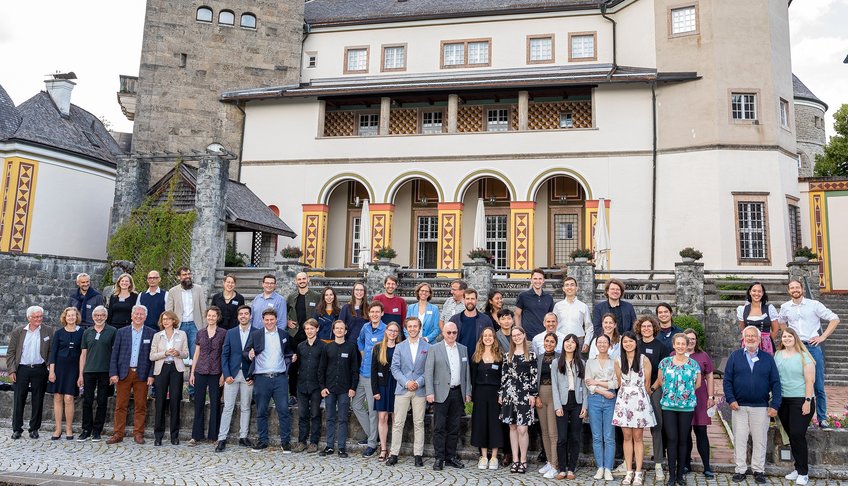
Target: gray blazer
column 403, row 370
column 559, row 387
column 437, row 372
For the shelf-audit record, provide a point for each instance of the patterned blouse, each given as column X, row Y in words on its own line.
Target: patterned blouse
column 679, row 385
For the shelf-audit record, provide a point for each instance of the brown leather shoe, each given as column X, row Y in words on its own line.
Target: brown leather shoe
column 139, row 439
column 114, row 439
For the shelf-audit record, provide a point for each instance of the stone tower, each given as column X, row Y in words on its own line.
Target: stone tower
column 191, row 52
column 809, row 126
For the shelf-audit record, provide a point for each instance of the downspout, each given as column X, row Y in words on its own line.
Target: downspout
column 603, row 7
column 240, row 106
column 653, row 174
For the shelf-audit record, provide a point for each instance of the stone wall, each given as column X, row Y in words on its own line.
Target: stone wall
column 810, row 138
column 210, row 229
column 45, row 280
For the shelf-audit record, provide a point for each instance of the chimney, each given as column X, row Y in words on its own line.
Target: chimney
column 60, row 88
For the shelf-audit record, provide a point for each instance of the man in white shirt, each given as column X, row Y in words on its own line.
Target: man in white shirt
column 188, row 301
column 574, row 316
column 805, row 316
column 454, row 305
column 550, row 324
column 236, row 384
column 26, row 362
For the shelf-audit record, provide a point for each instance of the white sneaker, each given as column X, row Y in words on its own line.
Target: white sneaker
column 802, row 480
column 483, row 463
column 658, row 471
column 551, row 474
column 600, row 473
column 792, row 476
column 547, row 467
column 493, row 463
column 607, row 475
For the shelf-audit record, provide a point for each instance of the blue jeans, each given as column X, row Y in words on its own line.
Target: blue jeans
column 603, row 435
column 338, row 410
column 190, row 329
column 264, row 389
column 821, row 404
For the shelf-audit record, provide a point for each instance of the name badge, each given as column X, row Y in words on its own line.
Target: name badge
column 429, row 312
column 270, row 304
column 97, row 337
column 234, row 302
column 379, row 374
column 395, row 310
column 464, row 359
column 495, row 367
column 344, row 355
column 312, row 304
column 649, row 351
column 146, row 341
column 755, row 359
column 374, row 340
column 284, row 340
column 46, row 338
column 88, row 306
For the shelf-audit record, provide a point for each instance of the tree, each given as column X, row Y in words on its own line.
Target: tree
column 834, row 162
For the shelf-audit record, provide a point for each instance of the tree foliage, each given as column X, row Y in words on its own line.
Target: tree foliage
column 834, row 162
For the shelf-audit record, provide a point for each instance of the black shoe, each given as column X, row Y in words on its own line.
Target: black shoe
column 175, row 441
column 672, row 480
column 16, row 435
column 328, row 451
column 709, row 474
column 95, row 437
column 245, row 442
column 84, row 435
column 363, row 442
column 343, row 454
column 222, row 444
column 286, row 448
column 260, row 446
column 454, row 462
column 542, row 458
column 157, row 441
column 738, row 477
column 392, row 460
column 55, row 437
column 681, row 481
column 438, row 465
column 419, row 461
column 687, row 469
column 759, row 478
column 368, row 452
column 33, row 434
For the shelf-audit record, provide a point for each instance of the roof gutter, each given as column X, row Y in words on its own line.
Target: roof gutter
column 603, row 7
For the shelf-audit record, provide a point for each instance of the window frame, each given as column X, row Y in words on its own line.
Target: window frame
column 783, row 113
column 383, row 68
column 465, row 43
column 421, row 114
column 507, row 124
column 248, row 15
column 566, row 113
column 224, row 24
column 752, row 198
column 531, row 38
column 672, row 8
column 211, row 14
column 358, row 121
column 367, row 50
column 744, row 92
column 796, row 237
column 572, row 35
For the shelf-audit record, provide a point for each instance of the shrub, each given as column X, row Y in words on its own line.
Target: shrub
column 731, row 286
column 690, row 252
column 581, row 253
column 291, row 252
column 386, row 252
column 805, row 252
column 685, row 321
column 481, row 253
column 232, row 258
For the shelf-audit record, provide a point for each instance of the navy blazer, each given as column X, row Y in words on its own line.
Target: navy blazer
column 256, row 342
column 628, row 316
column 232, row 356
column 122, row 353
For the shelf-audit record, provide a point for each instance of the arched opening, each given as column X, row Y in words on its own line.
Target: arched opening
column 226, row 17
column 248, row 20
column 416, row 214
column 560, row 209
column 344, row 238
column 204, row 14
column 496, row 197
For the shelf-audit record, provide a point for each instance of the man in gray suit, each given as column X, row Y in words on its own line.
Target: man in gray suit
column 447, row 381
column 408, row 365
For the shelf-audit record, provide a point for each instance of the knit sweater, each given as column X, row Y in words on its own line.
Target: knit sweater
column 751, row 388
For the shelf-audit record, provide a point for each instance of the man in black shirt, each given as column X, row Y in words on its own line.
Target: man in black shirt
column 308, row 389
column 300, row 306
column 338, row 378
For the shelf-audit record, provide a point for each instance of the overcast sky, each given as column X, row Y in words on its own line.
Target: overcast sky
column 101, row 39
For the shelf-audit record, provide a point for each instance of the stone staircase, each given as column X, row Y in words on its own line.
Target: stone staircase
column 836, row 347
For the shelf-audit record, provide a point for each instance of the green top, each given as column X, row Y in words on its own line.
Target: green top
column 791, row 370
column 99, row 346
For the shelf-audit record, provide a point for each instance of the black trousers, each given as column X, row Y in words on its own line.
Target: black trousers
column 569, row 427
column 446, row 417
column 703, row 442
column 309, row 412
column 795, row 426
column 202, row 383
column 169, row 390
column 35, row 378
column 294, row 368
column 95, row 385
column 676, row 425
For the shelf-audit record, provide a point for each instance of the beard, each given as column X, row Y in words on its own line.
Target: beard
column 187, row 283
column 470, row 307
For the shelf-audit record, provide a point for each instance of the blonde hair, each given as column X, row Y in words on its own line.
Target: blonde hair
column 63, row 318
column 117, row 289
column 512, row 343
column 798, row 347
column 383, row 354
column 481, row 348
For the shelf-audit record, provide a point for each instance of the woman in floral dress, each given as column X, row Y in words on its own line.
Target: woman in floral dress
column 518, row 396
column 633, row 410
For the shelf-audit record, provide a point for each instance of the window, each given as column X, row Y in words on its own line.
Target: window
column 431, row 122
column 683, row 20
column 428, row 241
column 394, row 58
column 743, row 106
column 497, row 120
column 566, row 120
column 752, row 227
column 470, row 53
column 248, row 21
column 356, row 60
column 496, row 231
column 204, row 14
column 784, row 113
column 183, row 59
column 355, row 240
column 794, row 227
column 582, row 47
column 226, row 17
column 818, row 121
column 540, row 49
column 369, row 124
column 311, row 61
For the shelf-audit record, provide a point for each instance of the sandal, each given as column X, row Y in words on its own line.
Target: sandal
column 522, row 467
column 514, row 467
column 384, row 453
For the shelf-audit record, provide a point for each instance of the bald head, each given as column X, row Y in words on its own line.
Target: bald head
column 450, row 333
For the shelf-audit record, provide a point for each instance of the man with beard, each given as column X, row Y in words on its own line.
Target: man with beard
column 85, row 299
column 300, row 306
column 395, row 306
column 453, row 305
column 470, row 322
column 188, row 302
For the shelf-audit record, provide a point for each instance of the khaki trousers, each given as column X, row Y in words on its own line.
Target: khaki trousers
column 419, row 405
column 753, row 421
column 548, row 424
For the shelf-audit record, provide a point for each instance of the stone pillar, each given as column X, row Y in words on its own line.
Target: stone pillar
column 285, row 272
column 382, row 216
column 385, row 114
column 132, row 177
column 808, row 274
column 689, row 280
column 322, row 114
column 480, row 277
column 376, row 273
column 209, row 235
column 450, row 235
column 522, row 215
column 314, row 233
column 266, row 250
column 453, row 112
column 523, row 110
column 584, row 273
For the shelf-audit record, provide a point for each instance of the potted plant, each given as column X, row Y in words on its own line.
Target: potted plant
column 690, row 254
column 581, row 255
column 291, row 253
column 481, row 255
column 804, row 254
column 385, row 254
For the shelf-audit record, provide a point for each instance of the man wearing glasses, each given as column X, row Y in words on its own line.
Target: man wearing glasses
column 154, row 299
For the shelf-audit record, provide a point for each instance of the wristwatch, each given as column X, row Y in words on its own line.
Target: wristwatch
column 712, row 398
column 808, row 399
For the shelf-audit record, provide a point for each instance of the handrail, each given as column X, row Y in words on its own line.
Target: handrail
column 746, row 272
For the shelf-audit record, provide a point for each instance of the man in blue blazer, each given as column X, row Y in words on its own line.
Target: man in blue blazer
column 408, row 365
column 271, row 356
column 623, row 311
column 236, row 368
column 130, row 369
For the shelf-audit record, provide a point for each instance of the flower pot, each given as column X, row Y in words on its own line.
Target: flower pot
column 384, row 260
column 479, row 260
column 688, row 260
column 581, row 259
column 801, row 259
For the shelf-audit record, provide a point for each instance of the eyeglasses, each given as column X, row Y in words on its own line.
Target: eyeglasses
column 450, row 332
column 153, row 278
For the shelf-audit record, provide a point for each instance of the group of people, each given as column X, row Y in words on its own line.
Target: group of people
column 521, row 368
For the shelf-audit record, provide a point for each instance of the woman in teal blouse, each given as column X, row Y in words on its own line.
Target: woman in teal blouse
column 797, row 371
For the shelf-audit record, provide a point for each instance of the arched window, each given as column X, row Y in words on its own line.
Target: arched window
column 226, row 17
column 248, row 21
column 204, row 14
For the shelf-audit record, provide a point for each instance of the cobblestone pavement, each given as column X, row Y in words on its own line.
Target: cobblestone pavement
column 43, row 461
